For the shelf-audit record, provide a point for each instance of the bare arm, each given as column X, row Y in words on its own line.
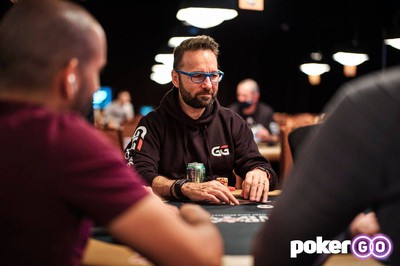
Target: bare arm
column 212, row 191
column 162, row 186
column 167, row 239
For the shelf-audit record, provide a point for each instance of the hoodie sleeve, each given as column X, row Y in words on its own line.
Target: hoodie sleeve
column 143, row 151
column 247, row 155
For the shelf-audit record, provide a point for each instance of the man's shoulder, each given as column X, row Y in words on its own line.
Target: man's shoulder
column 370, row 88
column 157, row 117
column 228, row 116
column 264, row 106
column 156, row 113
column 40, row 117
column 234, row 107
column 378, row 82
column 51, row 131
column 228, row 112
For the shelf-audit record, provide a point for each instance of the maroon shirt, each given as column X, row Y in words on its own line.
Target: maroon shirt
column 57, row 174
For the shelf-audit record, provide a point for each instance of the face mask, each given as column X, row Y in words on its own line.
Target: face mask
column 244, row 105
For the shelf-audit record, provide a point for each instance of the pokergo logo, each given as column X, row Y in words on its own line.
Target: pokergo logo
column 379, row 246
column 362, row 246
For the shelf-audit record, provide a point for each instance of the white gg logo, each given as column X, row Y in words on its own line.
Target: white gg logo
column 220, row 150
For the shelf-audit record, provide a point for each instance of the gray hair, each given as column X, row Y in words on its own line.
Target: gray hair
column 254, row 85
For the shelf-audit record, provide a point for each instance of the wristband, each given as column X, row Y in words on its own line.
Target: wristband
column 176, row 188
column 171, row 190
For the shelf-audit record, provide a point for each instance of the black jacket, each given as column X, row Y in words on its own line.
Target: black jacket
column 166, row 140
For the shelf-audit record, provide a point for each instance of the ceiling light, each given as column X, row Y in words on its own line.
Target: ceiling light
column 314, row 71
column 160, row 78
column 395, row 42
column 314, row 67
column 205, row 18
column 166, row 59
column 350, row 61
column 205, row 14
column 161, row 73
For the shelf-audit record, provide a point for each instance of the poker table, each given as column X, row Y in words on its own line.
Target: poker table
column 238, row 224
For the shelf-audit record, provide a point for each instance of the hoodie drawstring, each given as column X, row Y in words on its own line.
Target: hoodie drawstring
column 209, row 171
column 185, row 148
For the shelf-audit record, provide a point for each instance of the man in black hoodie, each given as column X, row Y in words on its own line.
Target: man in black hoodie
column 191, row 126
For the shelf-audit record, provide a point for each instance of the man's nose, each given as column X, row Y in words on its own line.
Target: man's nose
column 207, row 83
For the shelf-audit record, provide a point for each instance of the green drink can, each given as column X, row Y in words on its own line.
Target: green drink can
column 196, row 172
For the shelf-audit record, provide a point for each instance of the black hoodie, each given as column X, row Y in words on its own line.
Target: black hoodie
column 166, row 140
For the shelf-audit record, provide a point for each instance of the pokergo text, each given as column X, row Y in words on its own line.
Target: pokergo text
column 361, row 246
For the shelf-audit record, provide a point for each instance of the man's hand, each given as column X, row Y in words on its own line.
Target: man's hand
column 264, row 136
column 212, row 191
column 256, row 186
column 365, row 223
column 194, row 214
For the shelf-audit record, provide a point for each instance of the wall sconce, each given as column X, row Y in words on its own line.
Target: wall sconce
column 350, row 61
column 206, row 14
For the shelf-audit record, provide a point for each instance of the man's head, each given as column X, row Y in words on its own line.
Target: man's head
column 247, row 93
column 50, row 49
column 198, row 54
column 124, row 97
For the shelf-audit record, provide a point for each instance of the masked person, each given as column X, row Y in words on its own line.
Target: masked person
column 191, row 126
column 258, row 115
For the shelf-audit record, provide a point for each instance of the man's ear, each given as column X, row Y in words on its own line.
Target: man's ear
column 70, row 78
column 175, row 78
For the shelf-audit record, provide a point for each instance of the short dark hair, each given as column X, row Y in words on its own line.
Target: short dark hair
column 201, row 42
column 39, row 37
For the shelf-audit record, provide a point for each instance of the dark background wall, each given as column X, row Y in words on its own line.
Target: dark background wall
column 268, row 46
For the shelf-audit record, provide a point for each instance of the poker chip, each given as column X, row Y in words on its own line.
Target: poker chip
column 265, row 206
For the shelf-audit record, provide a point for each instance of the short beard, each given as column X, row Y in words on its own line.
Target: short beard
column 194, row 102
column 83, row 103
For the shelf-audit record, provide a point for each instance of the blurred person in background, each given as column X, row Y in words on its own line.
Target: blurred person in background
column 258, row 115
column 120, row 111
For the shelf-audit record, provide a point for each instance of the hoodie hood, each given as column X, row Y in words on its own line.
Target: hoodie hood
column 170, row 103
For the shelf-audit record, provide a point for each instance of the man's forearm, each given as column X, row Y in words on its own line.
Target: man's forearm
column 162, row 186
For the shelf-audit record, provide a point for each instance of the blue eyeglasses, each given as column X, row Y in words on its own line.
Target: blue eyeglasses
column 200, row 77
